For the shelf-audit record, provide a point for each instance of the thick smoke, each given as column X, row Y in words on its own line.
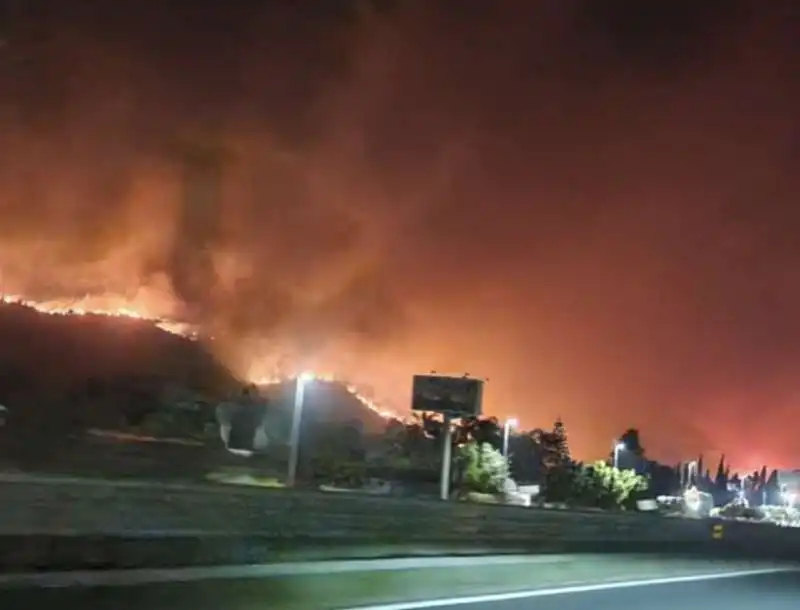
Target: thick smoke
column 175, row 173
column 583, row 201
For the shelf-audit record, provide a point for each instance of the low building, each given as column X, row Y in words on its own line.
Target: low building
column 790, row 479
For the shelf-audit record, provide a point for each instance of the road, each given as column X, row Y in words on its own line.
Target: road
column 773, row 591
column 565, row 584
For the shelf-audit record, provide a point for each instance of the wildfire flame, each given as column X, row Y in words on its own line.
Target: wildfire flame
column 332, row 378
column 85, row 307
column 89, row 306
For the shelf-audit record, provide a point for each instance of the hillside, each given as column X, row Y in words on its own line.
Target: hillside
column 71, row 372
column 62, row 372
column 325, row 403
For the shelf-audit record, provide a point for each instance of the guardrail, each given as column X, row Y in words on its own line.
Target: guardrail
column 215, row 525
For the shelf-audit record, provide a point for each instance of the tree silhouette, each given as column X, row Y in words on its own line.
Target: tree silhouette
column 553, row 446
column 699, row 471
column 721, row 479
column 630, row 438
column 772, row 488
column 560, row 443
column 632, row 452
column 524, row 464
column 412, row 438
column 708, row 482
column 481, row 430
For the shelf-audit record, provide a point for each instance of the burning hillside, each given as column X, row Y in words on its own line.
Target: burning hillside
column 115, row 307
column 326, row 402
column 73, row 371
column 111, row 343
column 328, row 382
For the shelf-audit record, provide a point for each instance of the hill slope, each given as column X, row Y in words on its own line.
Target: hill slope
column 62, row 372
column 325, row 403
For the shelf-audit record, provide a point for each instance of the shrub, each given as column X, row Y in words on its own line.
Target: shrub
column 485, row 469
column 340, row 473
column 596, row 485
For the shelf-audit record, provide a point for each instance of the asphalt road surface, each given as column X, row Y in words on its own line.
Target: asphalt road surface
column 766, row 588
column 772, row 591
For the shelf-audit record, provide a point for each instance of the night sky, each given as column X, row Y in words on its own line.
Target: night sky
column 593, row 203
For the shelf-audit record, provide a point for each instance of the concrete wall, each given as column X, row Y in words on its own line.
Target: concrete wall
column 298, row 519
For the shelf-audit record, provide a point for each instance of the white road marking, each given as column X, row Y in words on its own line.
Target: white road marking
column 147, row 576
column 565, row 590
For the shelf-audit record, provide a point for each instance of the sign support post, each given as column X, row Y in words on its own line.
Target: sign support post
column 447, row 455
column 452, row 398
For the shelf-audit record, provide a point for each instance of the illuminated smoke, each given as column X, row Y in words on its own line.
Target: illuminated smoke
column 110, row 306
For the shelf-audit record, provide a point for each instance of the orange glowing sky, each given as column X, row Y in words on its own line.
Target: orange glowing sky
column 591, row 207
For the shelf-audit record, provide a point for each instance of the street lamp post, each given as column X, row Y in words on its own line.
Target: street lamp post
column 509, row 425
column 618, row 448
column 691, row 473
column 297, row 417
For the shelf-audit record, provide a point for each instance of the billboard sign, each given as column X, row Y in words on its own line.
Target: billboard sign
column 454, row 396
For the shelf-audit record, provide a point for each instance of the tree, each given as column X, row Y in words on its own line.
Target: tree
column 611, row 487
column 560, row 483
column 772, row 491
column 481, row 430
column 410, row 442
column 545, row 446
column 560, row 444
column 598, row 485
column 699, row 470
column 631, row 453
column 719, row 480
column 664, row 480
column 524, row 458
column 485, row 468
column 630, row 438
column 679, row 473
column 553, row 447
column 394, row 438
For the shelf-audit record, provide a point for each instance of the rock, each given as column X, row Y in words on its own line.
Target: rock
column 646, row 505
column 509, row 486
column 517, row 498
